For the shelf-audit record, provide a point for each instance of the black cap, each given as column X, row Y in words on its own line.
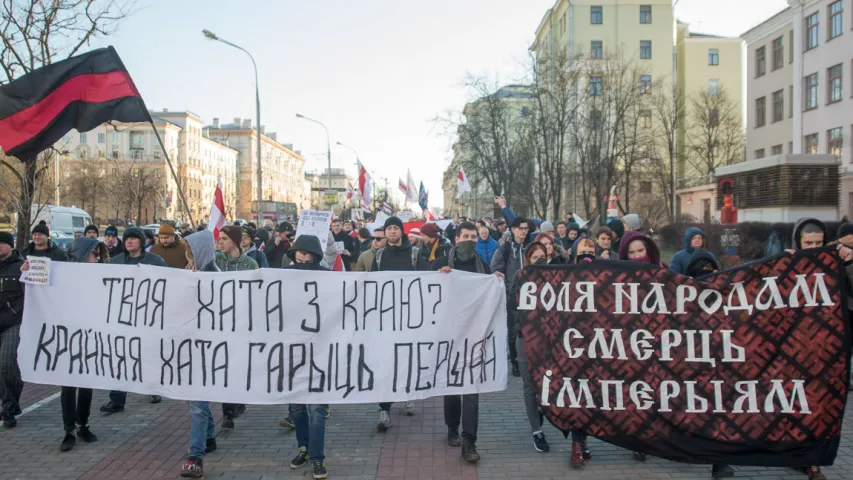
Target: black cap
column 394, row 221
column 284, row 227
column 845, row 229
column 111, row 230
column 91, row 228
column 7, row 238
column 42, row 228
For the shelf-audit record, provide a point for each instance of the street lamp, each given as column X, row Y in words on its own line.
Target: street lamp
column 328, row 143
column 212, row 36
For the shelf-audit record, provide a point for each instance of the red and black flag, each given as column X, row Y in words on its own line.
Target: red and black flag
column 82, row 92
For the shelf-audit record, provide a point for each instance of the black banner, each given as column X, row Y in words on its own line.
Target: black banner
column 748, row 366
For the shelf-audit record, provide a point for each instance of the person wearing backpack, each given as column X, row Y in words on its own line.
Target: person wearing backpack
column 397, row 255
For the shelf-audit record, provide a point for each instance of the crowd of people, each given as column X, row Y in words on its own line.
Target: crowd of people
column 501, row 247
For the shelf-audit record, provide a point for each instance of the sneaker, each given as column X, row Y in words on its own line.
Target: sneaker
column 576, row 457
column 453, row 437
column 111, row 407
column 210, row 446
column 814, row 473
column 86, row 435
column 287, row 423
column 640, row 457
column 384, row 421
column 227, row 422
column 410, row 408
column 722, row 471
column 301, row 458
column 587, row 453
column 319, row 470
column 9, row 421
column 156, row 399
column 540, row 444
column 469, row 451
column 515, row 371
column 68, row 442
column 193, row 468
column 239, row 411
column 328, row 412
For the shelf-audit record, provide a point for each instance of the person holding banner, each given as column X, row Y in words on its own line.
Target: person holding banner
column 397, row 255
column 11, row 315
column 309, row 420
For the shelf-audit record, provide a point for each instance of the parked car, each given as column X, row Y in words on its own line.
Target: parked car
column 66, row 220
column 64, row 242
column 151, row 227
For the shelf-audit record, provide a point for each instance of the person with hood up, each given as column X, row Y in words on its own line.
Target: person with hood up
column 134, row 254
column 77, row 402
column 170, row 247
column 437, row 246
column 248, row 245
column 277, row 248
column 345, row 241
column 463, row 409
column 618, row 232
column 365, row 260
column 811, row 233
column 604, row 244
column 397, row 255
column 694, row 238
column 573, row 231
column 309, row 420
column 11, row 315
column 508, row 260
column 43, row 246
column 261, row 237
column 112, row 241
column 200, row 258
column 486, row 245
column 536, row 254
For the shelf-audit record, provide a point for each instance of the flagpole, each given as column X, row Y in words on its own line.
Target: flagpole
column 174, row 175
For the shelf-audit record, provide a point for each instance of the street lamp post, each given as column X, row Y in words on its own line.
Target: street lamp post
column 357, row 163
column 212, row 36
column 676, row 112
column 328, row 143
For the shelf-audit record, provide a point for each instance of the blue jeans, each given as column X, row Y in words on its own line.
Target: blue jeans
column 201, row 427
column 119, row 398
column 310, row 423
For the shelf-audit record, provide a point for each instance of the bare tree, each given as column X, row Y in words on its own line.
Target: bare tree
column 715, row 136
column 667, row 116
column 35, row 33
column 132, row 184
column 85, row 186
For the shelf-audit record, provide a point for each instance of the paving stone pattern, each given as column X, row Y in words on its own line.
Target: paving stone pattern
column 150, row 442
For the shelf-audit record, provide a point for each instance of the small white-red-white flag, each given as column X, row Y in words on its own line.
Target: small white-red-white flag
column 462, row 184
column 217, row 211
column 430, row 217
column 339, row 264
column 364, row 184
column 349, row 191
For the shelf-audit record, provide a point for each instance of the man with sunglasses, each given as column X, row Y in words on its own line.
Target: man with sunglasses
column 509, row 260
column 365, row 260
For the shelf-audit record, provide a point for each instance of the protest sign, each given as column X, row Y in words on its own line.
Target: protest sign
column 405, row 215
column 749, row 366
column 316, row 223
column 39, row 271
column 266, row 336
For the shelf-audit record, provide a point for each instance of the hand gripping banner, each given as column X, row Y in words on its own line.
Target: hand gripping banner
column 748, row 366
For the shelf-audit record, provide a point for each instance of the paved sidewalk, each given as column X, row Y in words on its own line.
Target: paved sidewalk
column 150, row 441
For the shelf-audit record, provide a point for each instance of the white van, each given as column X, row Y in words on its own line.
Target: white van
column 65, row 220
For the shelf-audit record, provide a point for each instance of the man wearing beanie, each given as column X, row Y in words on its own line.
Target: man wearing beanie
column 277, row 248
column 91, row 231
column 397, row 255
column 845, row 234
column 248, row 245
column 433, row 241
column 633, row 223
column 111, row 240
column 134, row 254
column 230, row 258
column 42, row 246
column 170, row 247
column 11, row 314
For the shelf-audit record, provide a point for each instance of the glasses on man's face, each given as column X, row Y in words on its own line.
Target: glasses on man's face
column 378, row 239
column 523, row 228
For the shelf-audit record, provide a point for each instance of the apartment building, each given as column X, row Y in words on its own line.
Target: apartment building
column 799, row 63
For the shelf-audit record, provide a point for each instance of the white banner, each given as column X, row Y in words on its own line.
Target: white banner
column 266, row 336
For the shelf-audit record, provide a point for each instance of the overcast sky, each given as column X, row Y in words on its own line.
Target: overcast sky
column 376, row 72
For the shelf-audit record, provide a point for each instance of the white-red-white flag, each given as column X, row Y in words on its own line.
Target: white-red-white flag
column 462, row 184
column 349, row 191
column 411, row 188
column 339, row 264
column 364, row 185
column 217, row 211
column 428, row 215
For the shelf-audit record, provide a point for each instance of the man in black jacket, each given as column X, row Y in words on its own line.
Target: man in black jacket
column 397, row 255
column 11, row 314
column 463, row 407
column 342, row 237
column 277, row 248
column 41, row 246
column 111, row 240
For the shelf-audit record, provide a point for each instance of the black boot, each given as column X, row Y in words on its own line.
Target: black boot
column 68, row 442
column 453, row 437
column 515, row 371
column 469, row 451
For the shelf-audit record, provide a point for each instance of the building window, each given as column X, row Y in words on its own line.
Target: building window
column 713, row 87
column 834, row 141
column 102, row 138
column 596, row 49
column 810, row 143
column 760, row 61
column 791, row 46
column 791, row 148
column 645, row 49
column 833, row 76
column 646, row 14
column 116, row 138
column 645, row 83
column 812, row 36
column 778, row 53
column 713, row 56
column 760, row 112
column 594, row 119
column 778, row 105
column 759, row 153
column 646, row 118
column 811, row 91
column 595, row 86
column 790, row 101
column 83, row 138
column 836, row 19
column 596, row 16
column 776, row 149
